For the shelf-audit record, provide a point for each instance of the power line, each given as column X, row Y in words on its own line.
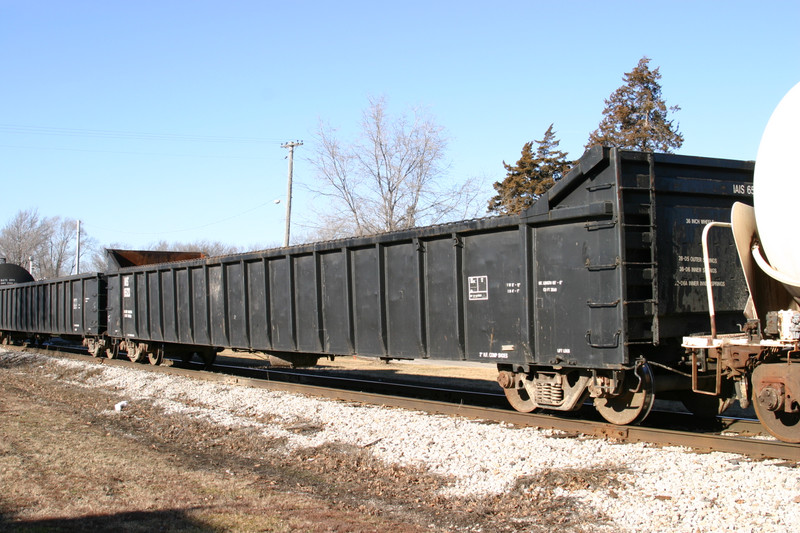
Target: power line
column 136, row 135
column 128, row 152
column 181, row 230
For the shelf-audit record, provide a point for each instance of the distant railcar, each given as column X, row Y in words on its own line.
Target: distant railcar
column 72, row 307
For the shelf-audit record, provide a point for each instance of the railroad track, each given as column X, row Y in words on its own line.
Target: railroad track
column 470, row 404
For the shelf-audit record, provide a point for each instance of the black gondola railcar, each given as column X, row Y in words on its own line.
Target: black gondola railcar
column 73, row 307
column 588, row 293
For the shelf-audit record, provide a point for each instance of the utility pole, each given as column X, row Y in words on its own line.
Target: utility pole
column 78, row 250
column 290, row 146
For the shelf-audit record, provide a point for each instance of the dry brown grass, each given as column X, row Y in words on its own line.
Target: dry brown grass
column 68, row 462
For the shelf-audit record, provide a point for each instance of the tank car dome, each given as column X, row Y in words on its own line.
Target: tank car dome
column 776, row 197
column 10, row 274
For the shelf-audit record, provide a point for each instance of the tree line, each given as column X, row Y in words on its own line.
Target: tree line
column 392, row 176
column 635, row 118
column 44, row 245
column 47, row 246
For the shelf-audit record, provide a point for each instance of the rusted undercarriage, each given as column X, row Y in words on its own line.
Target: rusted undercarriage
column 620, row 396
column 765, row 372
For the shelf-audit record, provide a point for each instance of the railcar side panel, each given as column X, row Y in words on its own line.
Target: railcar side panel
column 368, row 299
column 495, row 286
column 336, row 302
column 183, row 307
column 281, row 304
column 169, row 298
column 200, row 309
column 306, row 295
column 73, row 305
column 404, row 320
column 444, row 297
column 257, row 302
column 217, row 307
column 235, row 304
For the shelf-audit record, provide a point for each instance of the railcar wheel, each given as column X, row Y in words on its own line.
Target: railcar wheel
column 520, row 400
column 156, row 356
column 95, row 347
column 516, row 392
column 781, row 425
column 768, row 404
column 209, row 356
column 137, row 352
column 634, row 404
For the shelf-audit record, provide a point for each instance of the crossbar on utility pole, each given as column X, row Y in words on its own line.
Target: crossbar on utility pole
column 290, row 146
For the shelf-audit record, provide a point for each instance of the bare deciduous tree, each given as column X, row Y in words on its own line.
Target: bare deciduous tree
column 50, row 241
column 391, row 178
column 209, row 248
column 23, row 237
column 57, row 257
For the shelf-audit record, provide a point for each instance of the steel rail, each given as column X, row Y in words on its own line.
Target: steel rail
column 750, row 447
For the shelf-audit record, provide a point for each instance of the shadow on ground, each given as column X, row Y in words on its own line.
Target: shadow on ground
column 176, row 520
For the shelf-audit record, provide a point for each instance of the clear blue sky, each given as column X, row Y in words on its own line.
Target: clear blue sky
column 153, row 120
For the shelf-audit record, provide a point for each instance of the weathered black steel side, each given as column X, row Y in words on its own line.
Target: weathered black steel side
column 74, row 305
column 618, row 261
column 395, row 295
column 602, row 269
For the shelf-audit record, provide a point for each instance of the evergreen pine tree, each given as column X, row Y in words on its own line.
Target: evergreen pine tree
column 553, row 164
column 635, row 116
column 532, row 175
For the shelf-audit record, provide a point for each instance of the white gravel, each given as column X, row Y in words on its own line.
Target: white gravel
column 663, row 489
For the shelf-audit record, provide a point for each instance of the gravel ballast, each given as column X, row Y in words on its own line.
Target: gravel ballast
column 656, row 489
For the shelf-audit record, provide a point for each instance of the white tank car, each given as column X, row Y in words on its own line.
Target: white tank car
column 763, row 361
column 776, row 196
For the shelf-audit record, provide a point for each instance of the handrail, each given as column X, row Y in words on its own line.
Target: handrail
column 707, row 269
